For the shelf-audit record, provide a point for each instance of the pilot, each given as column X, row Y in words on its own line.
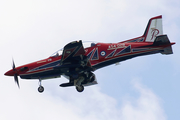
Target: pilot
column 57, row 54
column 93, row 44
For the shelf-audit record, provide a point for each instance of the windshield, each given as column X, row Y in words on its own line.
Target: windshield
column 57, row 53
column 86, row 44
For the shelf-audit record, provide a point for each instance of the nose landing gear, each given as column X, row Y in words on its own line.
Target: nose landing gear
column 40, row 88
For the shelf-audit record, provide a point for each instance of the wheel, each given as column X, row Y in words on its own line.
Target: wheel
column 80, row 88
column 40, row 89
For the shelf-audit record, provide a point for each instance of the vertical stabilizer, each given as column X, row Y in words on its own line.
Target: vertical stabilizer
column 153, row 29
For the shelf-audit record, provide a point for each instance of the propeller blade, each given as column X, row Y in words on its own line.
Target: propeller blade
column 16, row 80
column 15, row 74
column 13, row 66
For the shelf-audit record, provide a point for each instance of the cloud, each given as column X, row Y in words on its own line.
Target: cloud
column 146, row 106
column 68, row 104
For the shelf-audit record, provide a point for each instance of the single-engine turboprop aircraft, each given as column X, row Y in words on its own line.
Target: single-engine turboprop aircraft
column 77, row 62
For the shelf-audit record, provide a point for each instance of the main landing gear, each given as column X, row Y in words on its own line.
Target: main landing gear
column 80, row 88
column 40, row 88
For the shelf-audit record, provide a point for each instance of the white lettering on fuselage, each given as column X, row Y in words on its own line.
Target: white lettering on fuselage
column 41, row 61
column 49, row 59
column 116, row 46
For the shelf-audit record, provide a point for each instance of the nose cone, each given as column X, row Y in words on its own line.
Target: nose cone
column 10, row 73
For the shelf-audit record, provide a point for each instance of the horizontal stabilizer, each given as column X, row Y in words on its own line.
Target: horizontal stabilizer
column 163, row 40
column 167, row 51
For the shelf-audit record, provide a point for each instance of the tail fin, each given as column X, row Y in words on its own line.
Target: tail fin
column 153, row 29
column 154, row 34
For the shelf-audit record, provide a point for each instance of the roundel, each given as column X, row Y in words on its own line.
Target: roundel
column 103, row 53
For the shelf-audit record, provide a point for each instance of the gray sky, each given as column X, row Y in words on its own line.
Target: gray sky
column 141, row 88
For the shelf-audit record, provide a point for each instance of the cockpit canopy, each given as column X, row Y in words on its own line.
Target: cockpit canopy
column 86, row 44
column 57, row 53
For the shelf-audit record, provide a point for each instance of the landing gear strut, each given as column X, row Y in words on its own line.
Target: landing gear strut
column 40, row 88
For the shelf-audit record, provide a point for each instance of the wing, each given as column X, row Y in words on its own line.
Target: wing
column 76, row 66
column 74, row 59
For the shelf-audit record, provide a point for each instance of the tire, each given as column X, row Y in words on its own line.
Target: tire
column 80, row 88
column 40, row 89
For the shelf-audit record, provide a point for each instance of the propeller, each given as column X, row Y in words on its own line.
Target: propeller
column 15, row 75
